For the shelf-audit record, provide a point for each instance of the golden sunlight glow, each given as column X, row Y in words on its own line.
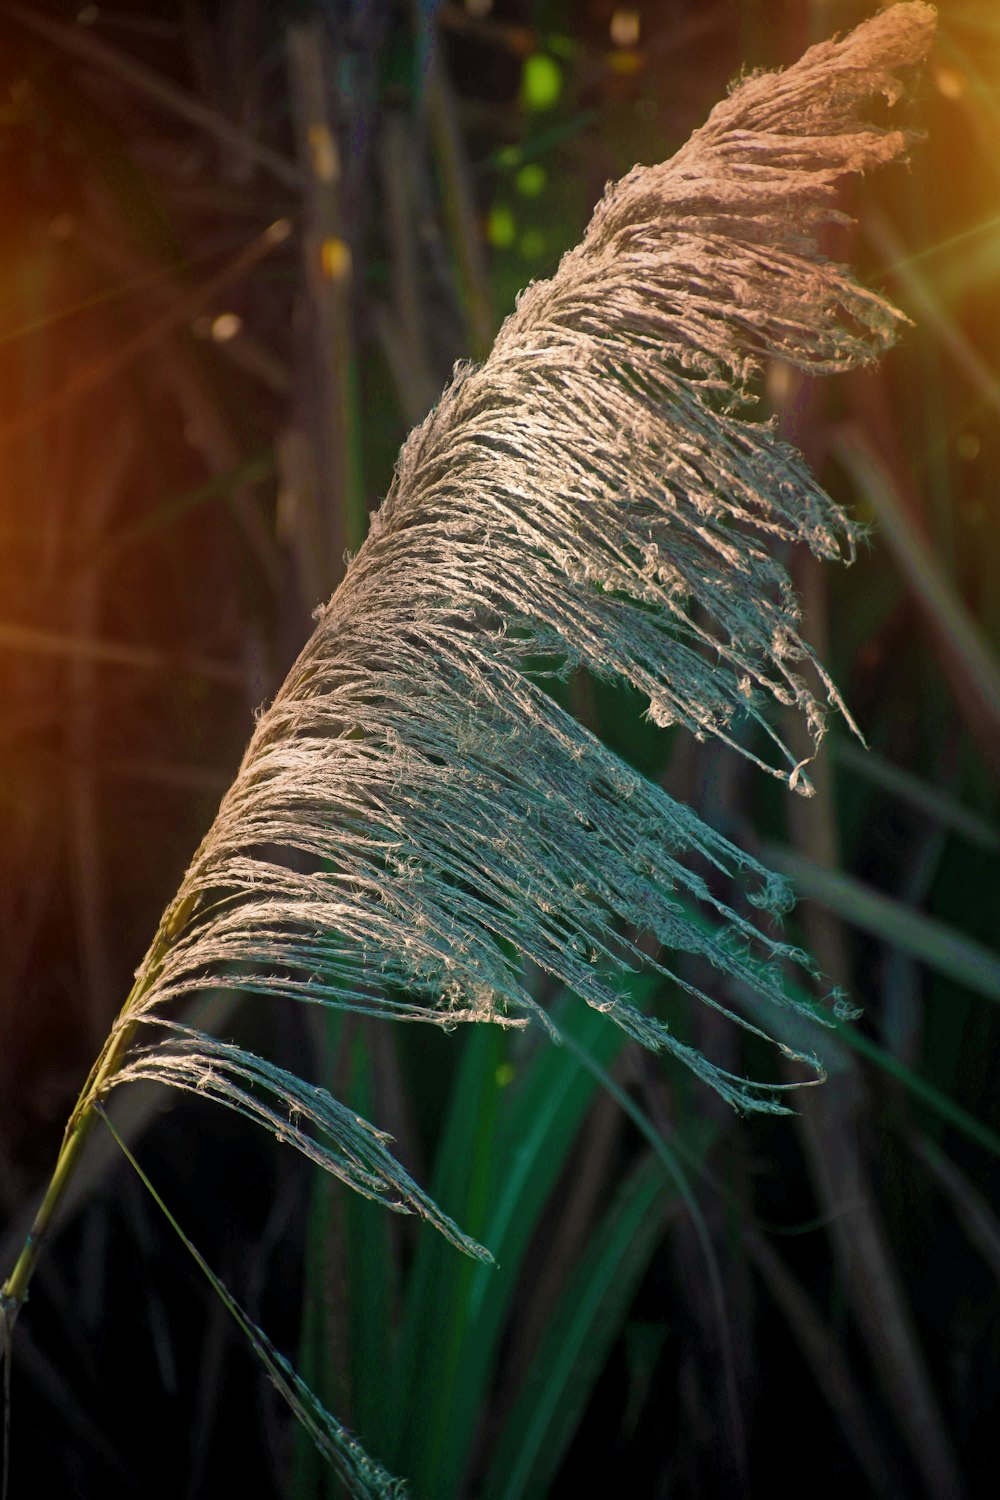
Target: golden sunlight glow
column 625, row 25
column 335, row 259
column 226, row 326
column 950, row 82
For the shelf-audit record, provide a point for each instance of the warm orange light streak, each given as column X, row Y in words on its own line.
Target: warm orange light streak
column 184, row 310
column 154, row 277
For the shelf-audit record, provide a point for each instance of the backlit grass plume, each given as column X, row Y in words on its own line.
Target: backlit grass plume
column 415, row 817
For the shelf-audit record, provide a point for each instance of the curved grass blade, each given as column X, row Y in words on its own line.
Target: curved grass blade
column 356, row 1153
column 961, row 959
column 934, row 1099
column 435, row 1300
column 574, row 1349
column 361, row 1476
column 539, row 1115
column 935, row 804
column 350, row 1293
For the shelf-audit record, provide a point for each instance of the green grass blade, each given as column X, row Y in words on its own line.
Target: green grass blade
column 794, row 1030
column 541, row 1116
column 959, row 958
column 967, row 654
column 362, row 1478
column 934, row 803
column 430, row 1337
column 572, row 1353
column 370, row 1279
column 934, row 1098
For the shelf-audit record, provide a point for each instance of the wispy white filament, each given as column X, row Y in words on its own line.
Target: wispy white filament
column 415, row 816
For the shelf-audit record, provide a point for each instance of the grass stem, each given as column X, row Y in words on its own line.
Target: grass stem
column 81, row 1122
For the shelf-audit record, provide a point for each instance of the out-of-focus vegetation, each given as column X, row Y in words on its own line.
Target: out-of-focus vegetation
column 241, row 246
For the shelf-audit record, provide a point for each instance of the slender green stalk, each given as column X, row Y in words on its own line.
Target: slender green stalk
column 78, row 1129
column 5, row 1350
column 81, row 1122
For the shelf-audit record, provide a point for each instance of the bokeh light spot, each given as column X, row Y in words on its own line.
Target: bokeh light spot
column 541, row 81
column 531, row 180
column 501, row 226
column 625, row 62
column 532, row 244
column 625, row 27
column 335, row 259
column 226, row 326
column 950, row 82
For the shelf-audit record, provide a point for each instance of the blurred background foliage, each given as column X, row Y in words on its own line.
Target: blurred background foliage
column 241, row 246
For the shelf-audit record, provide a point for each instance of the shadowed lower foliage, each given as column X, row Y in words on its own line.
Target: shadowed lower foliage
column 415, row 816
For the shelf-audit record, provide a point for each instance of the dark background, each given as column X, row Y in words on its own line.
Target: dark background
column 196, row 416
